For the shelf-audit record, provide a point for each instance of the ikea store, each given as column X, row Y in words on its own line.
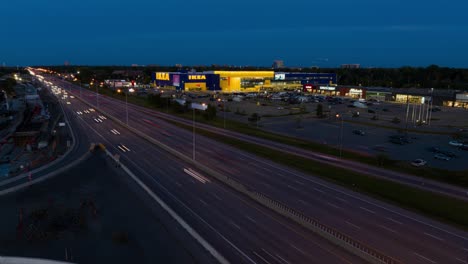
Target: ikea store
column 239, row 81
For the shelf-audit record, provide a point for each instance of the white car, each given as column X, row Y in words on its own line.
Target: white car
column 455, row 143
column 441, row 157
column 418, row 162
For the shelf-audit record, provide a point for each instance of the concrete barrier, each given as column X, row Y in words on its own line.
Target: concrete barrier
column 353, row 246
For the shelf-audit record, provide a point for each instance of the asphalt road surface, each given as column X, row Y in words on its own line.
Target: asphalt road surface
column 146, row 237
column 249, row 233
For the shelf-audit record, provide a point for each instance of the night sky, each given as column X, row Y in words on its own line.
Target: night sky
column 373, row 33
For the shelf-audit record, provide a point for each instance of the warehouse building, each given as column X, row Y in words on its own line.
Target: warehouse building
column 239, row 81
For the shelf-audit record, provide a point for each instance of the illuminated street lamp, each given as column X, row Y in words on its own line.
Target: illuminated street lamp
column 126, row 104
column 193, row 125
column 224, row 111
column 341, row 133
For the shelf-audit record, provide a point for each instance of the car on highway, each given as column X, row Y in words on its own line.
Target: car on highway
column 359, row 132
column 455, row 143
column 441, row 156
column 418, row 162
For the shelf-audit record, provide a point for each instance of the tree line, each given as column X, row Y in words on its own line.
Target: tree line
column 432, row 76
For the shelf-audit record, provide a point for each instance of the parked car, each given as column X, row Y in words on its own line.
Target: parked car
column 434, row 149
column 418, row 162
column 359, row 132
column 455, row 143
column 441, row 156
column 463, row 147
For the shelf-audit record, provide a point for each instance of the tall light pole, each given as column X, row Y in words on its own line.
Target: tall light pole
column 224, row 111
column 193, row 134
column 341, row 134
column 97, row 97
column 126, row 104
column 193, row 124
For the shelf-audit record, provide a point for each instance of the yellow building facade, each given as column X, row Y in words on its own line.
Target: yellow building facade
column 244, row 81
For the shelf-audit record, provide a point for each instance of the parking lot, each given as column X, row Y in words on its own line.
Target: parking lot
column 299, row 119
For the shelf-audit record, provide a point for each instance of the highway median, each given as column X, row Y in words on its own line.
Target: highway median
column 446, row 209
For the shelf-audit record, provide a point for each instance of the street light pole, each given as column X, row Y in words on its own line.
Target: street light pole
column 97, row 97
column 193, row 125
column 341, row 134
column 126, row 106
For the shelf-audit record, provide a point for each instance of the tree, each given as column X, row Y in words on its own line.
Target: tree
column 254, row 118
column 210, row 112
column 319, row 110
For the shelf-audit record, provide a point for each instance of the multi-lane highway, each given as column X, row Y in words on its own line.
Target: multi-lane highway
column 240, row 229
column 243, row 229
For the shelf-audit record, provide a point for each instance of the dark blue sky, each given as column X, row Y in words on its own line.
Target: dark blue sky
column 384, row 33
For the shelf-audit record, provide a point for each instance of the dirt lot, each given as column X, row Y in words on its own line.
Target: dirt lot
column 87, row 215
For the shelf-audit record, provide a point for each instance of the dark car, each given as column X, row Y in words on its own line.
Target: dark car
column 434, row 149
column 464, row 147
column 359, row 132
column 385, row 110
column 371, row 111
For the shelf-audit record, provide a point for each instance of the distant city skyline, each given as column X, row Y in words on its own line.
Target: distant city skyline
column 301, row 33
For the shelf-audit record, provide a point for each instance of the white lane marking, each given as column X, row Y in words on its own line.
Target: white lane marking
column 203, row 202
column 196, row 175
column 466, row 249
column 461, row 260
column 283, row 259
column 368, row 210
column 353, row 225
column 423, row 257
column 393, row 220
column 293, row 188
column 318, row 190
column 217, row 197
column 302, row 201
column 341, row 199
column 269, row 254
column 388, row 229
column 122, row 149
column 234, row 224
column 301, row 183
column 248, row 217
column 264, row 260
column 123, row 146
column 435, row 237
column 178, row 184
column 181, row 221
column 334, row 205
column 298, row 249
column 327, row 186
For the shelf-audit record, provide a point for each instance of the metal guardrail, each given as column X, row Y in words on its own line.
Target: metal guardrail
column 362, row 250
column 346, row 242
